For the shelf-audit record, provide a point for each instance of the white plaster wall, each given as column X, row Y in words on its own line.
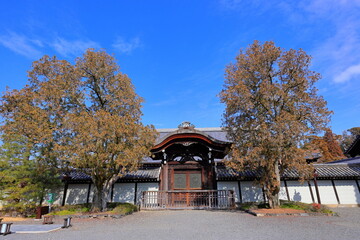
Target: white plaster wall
column 251, row 192
column 151, row 186
column 282, row 193
column 233, row 185
column 299, row 192
column 327, row 193
column 92, row 190
column 76, row 194
column 347, row 191
column 124, row 192
column 58, row 195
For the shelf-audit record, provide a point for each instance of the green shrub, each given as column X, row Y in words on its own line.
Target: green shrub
column 124, row 208
column 70, row 209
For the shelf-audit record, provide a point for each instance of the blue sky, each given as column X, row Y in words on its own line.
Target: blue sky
column 175, row 52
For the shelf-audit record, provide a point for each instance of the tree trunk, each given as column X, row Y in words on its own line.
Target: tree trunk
column 273, row 189
column 102, row 194
column 96, row 205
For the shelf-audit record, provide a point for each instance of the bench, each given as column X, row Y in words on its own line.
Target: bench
column 5, row 228
column 48, row 219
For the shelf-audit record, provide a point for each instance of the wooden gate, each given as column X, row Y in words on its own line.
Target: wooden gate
column 193, row 199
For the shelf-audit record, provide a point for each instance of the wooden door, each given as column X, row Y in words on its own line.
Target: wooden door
column 186, row 181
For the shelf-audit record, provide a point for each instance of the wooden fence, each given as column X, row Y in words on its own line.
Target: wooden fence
column 193, row 199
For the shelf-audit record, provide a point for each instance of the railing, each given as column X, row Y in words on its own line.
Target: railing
column 193, row 199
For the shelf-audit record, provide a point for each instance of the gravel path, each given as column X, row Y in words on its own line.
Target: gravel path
column 208, row 225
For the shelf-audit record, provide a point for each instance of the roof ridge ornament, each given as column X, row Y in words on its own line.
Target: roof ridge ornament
column 186, row 125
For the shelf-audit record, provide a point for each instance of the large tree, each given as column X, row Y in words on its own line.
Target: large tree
column 271, row 107
column 85, row 115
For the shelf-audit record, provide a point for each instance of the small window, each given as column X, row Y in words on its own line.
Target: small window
column 180, row 181
column 187, row 180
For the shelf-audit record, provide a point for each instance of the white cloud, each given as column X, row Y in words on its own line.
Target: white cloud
column 348, row 74
column 337, row 51
column 127, row 47
column 21, row 45
column 72, row 48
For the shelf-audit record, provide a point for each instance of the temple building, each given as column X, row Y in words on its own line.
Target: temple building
column 186, row 170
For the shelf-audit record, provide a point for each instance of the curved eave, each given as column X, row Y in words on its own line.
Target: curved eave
column 187, row 136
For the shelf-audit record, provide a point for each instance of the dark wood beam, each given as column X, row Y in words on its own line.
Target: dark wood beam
column 336, row 194
column 287, row 190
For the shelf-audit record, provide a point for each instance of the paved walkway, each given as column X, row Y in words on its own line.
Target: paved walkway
column 208, row 225
column 38, row 228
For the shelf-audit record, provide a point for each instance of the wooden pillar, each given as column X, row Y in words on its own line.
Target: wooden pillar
column 317, row 190
column 88, row 193
column 166, row 177
column 311, row 192
column 240, row 193
column 112, row 193
column 264, row 196
column 336, row 194
column 64, row 195
column 135, row 193
column 358, row 185
column 287, row 190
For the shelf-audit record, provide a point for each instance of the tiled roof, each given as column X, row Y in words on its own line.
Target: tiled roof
column 143, row 174
column 324, row 171
column 338, row 171
column 355, row 160
column 216, row 133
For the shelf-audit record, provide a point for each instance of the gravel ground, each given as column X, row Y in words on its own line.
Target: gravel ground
column 208, row 225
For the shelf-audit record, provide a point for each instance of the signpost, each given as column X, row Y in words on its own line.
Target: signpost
column 50, row 200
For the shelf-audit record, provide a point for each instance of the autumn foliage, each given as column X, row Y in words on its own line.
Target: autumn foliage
column 327, row 146
column 84, row 116
column 272, row 106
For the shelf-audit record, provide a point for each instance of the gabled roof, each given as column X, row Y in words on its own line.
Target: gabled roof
column 354, row 148
column 191, row 139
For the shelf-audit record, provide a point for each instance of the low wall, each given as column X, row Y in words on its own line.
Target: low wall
column 121, row 192
column 331, row 192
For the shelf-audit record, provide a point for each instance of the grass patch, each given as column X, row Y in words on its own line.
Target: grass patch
column 113, row 208
column 314, row 207
column 62, row 213
column 71, row 209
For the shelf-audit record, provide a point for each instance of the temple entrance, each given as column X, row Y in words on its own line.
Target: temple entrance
column 187, row 177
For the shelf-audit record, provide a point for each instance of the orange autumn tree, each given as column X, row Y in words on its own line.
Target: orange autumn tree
column 88, row 112
column 327, row 145
column 272, row 106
